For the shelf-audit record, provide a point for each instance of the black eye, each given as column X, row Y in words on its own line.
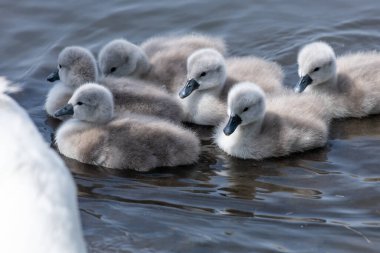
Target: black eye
column 113, row 69
column 245, row 109
column 316, row 69
column 59, row 66
column 80, row 103
column 202, row 74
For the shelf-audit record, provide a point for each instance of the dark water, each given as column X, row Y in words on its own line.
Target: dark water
column 326, row 200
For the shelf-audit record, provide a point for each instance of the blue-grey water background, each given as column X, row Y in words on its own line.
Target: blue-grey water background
column 325, row 200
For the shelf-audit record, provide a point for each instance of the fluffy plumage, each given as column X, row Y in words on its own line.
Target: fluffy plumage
column 163, row 58
column 95, row 136
column 137, row 96
column 39, row 211
column 210, row 77
column 350, row 84
column 258, row 128
column 267, row 74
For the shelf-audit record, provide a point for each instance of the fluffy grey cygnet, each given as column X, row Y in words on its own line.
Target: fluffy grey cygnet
column 259, row 128
column 138, row 96
column 160, row 59
column 121, row 58
column 76, row 66
column 96, row 136
column 349, row 83
column 210, row 77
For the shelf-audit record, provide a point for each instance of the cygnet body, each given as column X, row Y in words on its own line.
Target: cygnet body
column 350, row 83
column 76, row 66
column 258, row 128
column 138, row 96
column 138, row 142
column 39, row 211
column 160, row 59
column 210, row 77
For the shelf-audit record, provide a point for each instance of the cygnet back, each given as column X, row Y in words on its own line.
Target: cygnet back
column 138, row 96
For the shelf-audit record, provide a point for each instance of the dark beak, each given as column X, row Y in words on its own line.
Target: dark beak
column 53, row 76
column 232, row 124
column 190, row 86
column 303, row 83
column 66, row 110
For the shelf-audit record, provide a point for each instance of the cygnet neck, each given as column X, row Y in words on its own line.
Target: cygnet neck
column 329, row 86
column 143, row 66
column 252, row 128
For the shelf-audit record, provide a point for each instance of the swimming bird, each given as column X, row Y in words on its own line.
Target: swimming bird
column 349, row 83
column 39, row 209
column 210, row 77
column 160, row 59
column 76, row 66
column 260, row 127
column 121, row 58
column 96, row 136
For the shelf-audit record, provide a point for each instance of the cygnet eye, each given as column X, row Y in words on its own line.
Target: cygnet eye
column 80, row 103
column 202, row 74
column 316, row 69
column 245, row 109
column 59, row 66
column 113, row 69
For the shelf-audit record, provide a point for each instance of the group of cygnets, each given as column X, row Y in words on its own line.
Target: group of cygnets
column 135, row 122
column 131, row 114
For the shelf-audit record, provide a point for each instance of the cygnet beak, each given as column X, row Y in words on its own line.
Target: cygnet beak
column 303, row 83
column 190, row 86
column 53, row 76
column 232, row 124
column 66, row 110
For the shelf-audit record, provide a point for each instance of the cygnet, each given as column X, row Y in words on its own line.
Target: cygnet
column 258, row 129
column 76, row 66
column 349, row 83
column 95, row 136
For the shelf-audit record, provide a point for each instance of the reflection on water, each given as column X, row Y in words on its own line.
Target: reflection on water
column 324, row 200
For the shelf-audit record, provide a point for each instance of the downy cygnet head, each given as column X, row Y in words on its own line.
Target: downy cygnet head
column 91, row 102
column 121, row 58
column 206, row 69
column 246, row 104
column 316, row 65
column 76, row 66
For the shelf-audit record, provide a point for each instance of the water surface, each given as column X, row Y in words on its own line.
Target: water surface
column 325, row 200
